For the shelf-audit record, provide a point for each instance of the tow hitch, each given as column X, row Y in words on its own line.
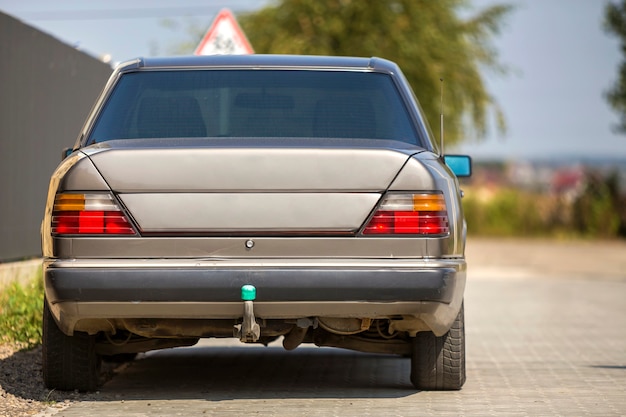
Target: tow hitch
column 248, row 331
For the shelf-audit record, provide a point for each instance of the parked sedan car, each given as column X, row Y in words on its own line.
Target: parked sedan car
column 255, row 197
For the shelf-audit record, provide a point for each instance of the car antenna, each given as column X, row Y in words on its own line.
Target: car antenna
column 441, row 119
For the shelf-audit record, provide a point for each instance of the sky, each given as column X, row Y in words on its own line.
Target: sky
column 561, row 63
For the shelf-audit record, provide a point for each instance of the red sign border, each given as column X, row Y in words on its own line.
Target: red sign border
column 224, row 14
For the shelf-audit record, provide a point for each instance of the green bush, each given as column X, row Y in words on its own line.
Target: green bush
column 20, row 313
column 509, row 212
column 597, row 212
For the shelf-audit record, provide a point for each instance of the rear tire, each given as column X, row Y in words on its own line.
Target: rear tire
column 69, row 362
column 438, row 363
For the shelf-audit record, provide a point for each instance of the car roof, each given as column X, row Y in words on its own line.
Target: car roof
column 260, row 61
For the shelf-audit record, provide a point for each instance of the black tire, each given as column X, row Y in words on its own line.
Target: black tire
column 69, row 362
column 438, row 363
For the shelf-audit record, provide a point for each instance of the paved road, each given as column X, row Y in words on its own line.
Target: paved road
column 546, row 335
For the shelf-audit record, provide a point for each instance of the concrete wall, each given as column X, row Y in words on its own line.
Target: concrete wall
column 46, row 90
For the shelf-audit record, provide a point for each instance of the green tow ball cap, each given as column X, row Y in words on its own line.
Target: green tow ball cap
column 248, row 293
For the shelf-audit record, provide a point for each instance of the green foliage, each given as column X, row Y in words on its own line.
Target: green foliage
column 615, row 23
column 596, row 212
column 20, row 313
column 509, row 212
column 428, row 39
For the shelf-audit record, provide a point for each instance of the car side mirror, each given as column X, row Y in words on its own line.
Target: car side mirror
column 461, row 165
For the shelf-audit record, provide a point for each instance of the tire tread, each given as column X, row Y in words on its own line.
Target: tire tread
column 438, row 363
column 68, row 362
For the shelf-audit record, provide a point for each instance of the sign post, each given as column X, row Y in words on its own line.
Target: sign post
column 224, row 37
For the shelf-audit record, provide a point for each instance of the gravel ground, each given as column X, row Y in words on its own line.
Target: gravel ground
column 19, row 369
column 22, row 392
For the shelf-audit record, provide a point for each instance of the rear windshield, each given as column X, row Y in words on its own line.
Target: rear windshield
column 254, row 103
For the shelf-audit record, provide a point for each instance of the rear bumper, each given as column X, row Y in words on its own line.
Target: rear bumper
column 83, row 289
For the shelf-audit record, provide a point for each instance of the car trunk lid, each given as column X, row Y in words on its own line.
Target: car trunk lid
column 262, row 188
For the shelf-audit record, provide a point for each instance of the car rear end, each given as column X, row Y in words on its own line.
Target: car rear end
column 253, row 198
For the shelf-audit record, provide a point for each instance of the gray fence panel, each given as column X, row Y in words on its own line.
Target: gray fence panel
column 46, row 90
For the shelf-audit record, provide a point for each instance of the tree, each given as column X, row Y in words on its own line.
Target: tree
column 428, row 39
column 615, row 23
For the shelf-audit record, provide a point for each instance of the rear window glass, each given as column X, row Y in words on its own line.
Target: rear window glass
column 254, row 103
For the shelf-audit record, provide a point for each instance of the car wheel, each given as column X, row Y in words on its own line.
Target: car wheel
column 69, row 362
column 438, row 363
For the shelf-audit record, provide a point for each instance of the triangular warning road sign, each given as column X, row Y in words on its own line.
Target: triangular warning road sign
column 224, row 37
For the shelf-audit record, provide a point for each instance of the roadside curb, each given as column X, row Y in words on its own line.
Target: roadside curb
column 21, row 272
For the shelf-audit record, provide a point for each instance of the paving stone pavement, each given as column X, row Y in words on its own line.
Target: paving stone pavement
column 538, row 344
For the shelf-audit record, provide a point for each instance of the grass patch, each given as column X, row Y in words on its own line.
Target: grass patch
column 21, row 307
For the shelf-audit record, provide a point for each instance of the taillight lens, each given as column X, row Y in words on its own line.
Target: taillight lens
column 410, row 214
column 89, row 214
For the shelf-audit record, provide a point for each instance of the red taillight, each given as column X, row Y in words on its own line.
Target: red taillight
column 89, row 214
column 410, row 214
